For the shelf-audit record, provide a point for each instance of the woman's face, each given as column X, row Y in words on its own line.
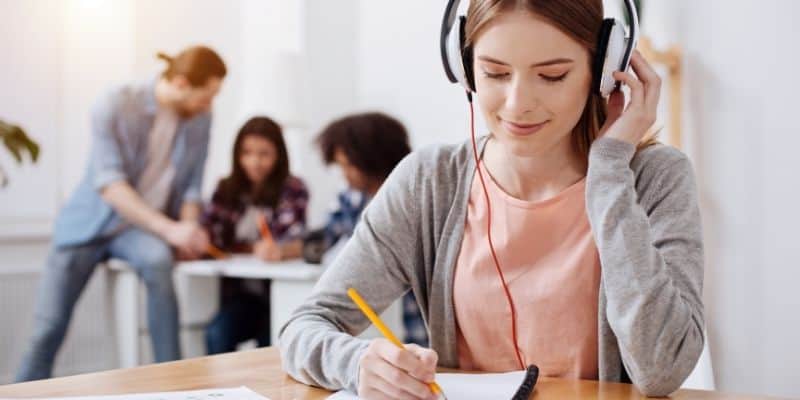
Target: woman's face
column 532, row 82
column 257, row 157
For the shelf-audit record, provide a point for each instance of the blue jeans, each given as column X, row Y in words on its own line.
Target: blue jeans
column 64, row 277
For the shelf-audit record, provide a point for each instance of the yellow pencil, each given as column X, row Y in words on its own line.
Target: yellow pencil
column 213, row 251
column 376, row 320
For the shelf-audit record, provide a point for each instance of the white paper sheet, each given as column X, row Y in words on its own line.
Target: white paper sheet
column 241, row 393
column 468, row 386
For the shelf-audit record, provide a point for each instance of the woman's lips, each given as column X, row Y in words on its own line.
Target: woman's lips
column 522, row 129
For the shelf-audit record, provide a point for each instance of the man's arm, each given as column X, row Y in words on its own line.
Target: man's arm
column 190, row 212
column 128, row 203
column 186, row 234
column 109, row 175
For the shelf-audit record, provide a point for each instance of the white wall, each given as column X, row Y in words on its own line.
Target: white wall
column 331, row 32
column 400, row 71
column 780, row 201
column 742, row 90
column 30, row 95
column 97, row 52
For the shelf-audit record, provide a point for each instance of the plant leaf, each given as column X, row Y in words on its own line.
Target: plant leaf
column 16, row 141
column 14, row 150
column 5, row 129
column 33, row 149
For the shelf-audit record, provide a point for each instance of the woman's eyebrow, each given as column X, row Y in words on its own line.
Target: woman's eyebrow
column 539, row 64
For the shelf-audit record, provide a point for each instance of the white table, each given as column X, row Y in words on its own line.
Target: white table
column 197, row 288
column 292, row 282
column 251, row 268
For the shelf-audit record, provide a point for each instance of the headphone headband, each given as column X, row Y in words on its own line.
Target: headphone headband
column 633, row 37
column 450, row 13
column 452, row 48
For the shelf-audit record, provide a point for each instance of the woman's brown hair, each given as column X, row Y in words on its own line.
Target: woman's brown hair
column 198, row 64
column 579, row 19
column 237, row 184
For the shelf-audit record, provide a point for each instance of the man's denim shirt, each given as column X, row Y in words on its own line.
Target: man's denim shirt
column 121, row 121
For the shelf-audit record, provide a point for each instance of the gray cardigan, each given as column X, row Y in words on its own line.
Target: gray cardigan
column 642, row 207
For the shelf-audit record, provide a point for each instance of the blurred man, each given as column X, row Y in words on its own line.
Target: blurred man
column 139, row 200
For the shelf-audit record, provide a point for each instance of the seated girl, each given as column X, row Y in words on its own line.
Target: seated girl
column 259, row 187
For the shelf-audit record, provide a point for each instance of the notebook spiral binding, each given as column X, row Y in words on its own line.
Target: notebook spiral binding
column 528, row 384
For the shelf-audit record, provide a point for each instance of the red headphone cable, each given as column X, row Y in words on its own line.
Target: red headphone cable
column 489, row 233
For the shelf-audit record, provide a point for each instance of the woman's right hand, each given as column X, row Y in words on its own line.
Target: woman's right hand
column 388, row 372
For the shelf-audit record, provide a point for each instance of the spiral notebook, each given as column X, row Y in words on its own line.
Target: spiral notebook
column 467, row 386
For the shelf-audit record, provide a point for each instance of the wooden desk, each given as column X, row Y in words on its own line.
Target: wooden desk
column 260, row 370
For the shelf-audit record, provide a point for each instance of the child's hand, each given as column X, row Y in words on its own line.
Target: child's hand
column 267, row 251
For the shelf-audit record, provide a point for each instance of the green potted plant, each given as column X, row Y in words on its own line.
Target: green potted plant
column 17, row 142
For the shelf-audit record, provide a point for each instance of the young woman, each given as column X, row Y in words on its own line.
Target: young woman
column 594, row 268
column 259, row 187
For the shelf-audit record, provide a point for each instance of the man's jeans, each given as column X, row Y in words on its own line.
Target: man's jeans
column 64, row 277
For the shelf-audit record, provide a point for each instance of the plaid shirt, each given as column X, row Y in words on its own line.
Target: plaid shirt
column 343, row 218
column 341, row 223
column 287, row 221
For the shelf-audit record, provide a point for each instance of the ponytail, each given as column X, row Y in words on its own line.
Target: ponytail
column 164, row 57
column 197, row 64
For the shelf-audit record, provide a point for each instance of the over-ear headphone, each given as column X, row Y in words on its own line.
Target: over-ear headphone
column 614, row 49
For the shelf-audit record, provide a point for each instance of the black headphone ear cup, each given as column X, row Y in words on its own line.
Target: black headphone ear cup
column 600, row 53
column 466, row 54
column 468, row 66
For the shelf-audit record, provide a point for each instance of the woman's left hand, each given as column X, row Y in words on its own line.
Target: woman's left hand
column 633, row 123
